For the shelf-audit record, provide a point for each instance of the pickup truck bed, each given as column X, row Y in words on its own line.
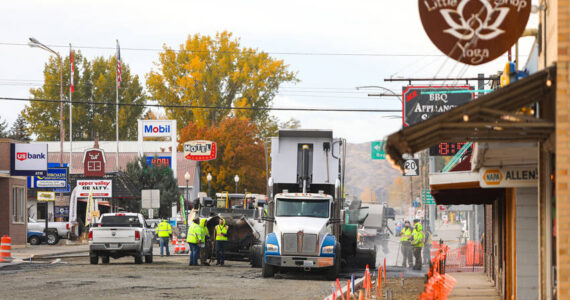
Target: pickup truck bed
column 118, row 235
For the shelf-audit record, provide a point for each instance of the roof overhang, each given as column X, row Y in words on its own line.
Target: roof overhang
column 492, row 117
column 454, row 180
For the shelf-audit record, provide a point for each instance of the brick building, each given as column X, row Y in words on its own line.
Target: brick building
column 13, row 202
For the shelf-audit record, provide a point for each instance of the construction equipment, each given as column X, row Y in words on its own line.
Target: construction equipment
column 306, row 226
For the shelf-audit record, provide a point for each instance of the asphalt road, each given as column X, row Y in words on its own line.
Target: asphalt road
column 167, row 277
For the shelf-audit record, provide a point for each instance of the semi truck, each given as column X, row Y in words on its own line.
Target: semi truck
column 306, row 225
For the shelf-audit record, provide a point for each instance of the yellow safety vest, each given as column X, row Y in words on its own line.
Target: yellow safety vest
column 164, row 229
column 418, row 236
column 221, row 233
column 204, row 229
column 194, row 234
column 406, row 234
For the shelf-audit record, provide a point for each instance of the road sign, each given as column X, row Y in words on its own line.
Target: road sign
column 377, row 150
column 428, row 198
column 63, row 190
column 150, row 198
column 411, row 167
column 55, row 178
column 46, row 196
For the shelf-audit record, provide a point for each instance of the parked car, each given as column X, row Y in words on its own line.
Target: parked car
column 56, row 230
column 120, row 234
column 35, row 237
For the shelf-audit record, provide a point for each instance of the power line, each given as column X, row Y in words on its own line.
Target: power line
column 208, row 107
column 236, row 52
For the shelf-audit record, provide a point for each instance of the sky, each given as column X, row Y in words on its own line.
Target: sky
column 334, row 46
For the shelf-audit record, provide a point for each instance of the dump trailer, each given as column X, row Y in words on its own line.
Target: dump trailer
column 305, row 226
column 244, row 219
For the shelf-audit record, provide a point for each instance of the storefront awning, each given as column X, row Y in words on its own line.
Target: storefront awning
column 492, row 117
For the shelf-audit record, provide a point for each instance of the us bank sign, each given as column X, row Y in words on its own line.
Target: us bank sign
column 474, row 31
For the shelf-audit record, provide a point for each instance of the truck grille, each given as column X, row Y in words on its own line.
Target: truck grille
column 300, row 243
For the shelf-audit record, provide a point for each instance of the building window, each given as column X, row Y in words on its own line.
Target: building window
column 18, row 204
column 94, row 166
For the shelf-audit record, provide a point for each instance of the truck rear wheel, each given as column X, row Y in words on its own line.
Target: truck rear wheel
column 139, row 258
column 267, row 271
column 105, row 259
column 93, row 258
column 52, row 238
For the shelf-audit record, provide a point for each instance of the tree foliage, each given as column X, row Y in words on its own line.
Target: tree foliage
column 145, row 176
column 216, row 71
column 240, row 151
column 20, row 130
column 3, row 129
column 94, row 81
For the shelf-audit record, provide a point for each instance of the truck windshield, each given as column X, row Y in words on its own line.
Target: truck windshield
column 120, row 221
column 302, row 208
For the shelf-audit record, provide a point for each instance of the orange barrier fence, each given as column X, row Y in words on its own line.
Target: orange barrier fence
column 439, row 284
column 469, row 257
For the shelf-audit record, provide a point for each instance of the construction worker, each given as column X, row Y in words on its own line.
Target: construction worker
column 427, row 245
column 406, row 246
column 194, row 238
column 221, row 240
column 417, row 243
column 205, row 253
column 164, row 231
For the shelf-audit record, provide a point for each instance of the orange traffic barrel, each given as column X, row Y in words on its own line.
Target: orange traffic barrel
column 6, row 248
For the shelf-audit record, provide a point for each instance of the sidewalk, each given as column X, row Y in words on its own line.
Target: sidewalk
column 473, row 286
column 47, row 250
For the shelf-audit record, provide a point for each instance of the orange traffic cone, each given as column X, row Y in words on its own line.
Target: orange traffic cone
column 182, row 246
column 174, row 241
column 177, row 248
column 6, row 249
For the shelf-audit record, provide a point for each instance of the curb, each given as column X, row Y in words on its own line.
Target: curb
column 51, row 255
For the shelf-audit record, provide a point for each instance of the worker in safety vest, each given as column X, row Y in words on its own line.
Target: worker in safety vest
column 417, row 244
column 427, row 245
column 164, row 232
column 221, row 240
column 194, row 238
column 206, row 250
column 406, row 245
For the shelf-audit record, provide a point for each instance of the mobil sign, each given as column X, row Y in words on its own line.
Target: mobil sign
column 28, row 159
column 156, row 128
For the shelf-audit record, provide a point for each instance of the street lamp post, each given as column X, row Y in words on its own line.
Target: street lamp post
column 187, row 177
column 36, row 44
column 236, row 179
column 209, row 178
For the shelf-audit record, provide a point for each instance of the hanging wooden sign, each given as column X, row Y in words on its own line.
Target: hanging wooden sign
column 474, row 31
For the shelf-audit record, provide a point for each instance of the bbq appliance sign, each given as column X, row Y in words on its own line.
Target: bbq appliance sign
column 28, row 159
column 423, row 102
column 101, row 188
column 200, row 150
column 474, row 31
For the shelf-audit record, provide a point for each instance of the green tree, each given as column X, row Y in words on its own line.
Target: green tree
column 216, row 71
column 94, row 81
column 149, row 177
column 20, row 130
column 3, row 129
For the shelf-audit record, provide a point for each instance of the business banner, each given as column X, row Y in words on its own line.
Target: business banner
column 55, row 178
column 102, row 188
column 508, row 177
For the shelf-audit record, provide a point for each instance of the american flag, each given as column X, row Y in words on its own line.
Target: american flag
column 118, row 64
column 72, row 86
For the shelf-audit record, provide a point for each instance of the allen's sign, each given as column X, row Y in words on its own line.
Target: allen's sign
column 200, row 150
column 474, row 31
column 508, row 177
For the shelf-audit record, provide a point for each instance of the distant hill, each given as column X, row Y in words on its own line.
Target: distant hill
column 363, row 173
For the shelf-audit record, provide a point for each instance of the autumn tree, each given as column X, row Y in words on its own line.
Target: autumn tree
column 239, row 151
column 216, row 71
column 94, row 82
column 19, row 130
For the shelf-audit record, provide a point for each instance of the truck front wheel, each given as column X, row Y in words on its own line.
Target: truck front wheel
column 267, row 271
column 332, row 274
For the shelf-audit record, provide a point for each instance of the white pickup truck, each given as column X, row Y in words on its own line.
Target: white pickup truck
column 120, row 234
column 56, row 231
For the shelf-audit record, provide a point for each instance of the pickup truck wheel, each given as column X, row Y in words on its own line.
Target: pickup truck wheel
column 139, row 258
column 105, row 259
column 267, row 270
column 93, row 259
column 34, row 240
column 148, row 258
column 52, row 238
